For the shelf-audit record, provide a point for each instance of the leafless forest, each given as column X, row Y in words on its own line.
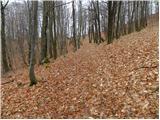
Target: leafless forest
column 79, row 59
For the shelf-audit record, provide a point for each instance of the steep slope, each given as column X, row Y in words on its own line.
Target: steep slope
column 119, row 80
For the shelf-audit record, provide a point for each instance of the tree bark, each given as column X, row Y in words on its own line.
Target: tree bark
column 118, row 20
column 129, row 17
column 34, row 33
column 29, row 30
column 74, row 27
column 3, row 39
column 142, row 15
column 137, row 16
column 79, row 24
column 133, row 14
column 44, row 33
column 99, row 23
column 50, row 28
column 55, row 35
column 109, row 22
column 111, row 19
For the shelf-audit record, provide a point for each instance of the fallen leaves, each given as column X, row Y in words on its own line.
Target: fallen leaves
column 119, row 80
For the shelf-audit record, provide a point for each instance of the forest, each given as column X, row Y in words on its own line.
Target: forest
column 79, row 59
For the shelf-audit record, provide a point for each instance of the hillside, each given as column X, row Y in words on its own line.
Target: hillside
column 119, row 80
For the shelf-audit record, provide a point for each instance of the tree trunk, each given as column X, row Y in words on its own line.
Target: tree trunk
column 111, row 19
column 146, row 13
column 50, row 28
column 79, row 24
column 133, row 14
column 34, row 33
column 118, row 20
column 74, row 27
column 142, row 15
column 44, row 33
column 114, row 10
column 3, row 41
column 96, row 31
column 109, row 22
column 129, row 17
column 137, row 16
column 124, row 19
column 55, row 35
column 29, row 31
column 99, row 23
column 90, row 26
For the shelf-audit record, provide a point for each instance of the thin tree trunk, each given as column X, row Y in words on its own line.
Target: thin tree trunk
column 3, row 40
column 146, row 12
column 133, row 14
column 136, row 16
column 111, row 11
column 29, row 31
column 74, row 27
column 55, row 35
column 118, row 20
column 129, row 17
column 34, row 33
column 44, row 33
column 50, row 28
column 99, row 23
column 79, row 24
column 142, row 15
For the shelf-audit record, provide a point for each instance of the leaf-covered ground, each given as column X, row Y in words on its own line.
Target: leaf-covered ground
column 119, row 80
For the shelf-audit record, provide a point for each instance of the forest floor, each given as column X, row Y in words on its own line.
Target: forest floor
column 119, row 80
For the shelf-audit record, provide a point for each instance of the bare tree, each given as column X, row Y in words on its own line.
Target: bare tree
column 137, row 16
column 118, row 20
column 3, row 38
column 34, row 32
column 79, row 23
column 111, row 19
column 74, row 26
column 55, row 35
column 50, row 28
column 44, row 46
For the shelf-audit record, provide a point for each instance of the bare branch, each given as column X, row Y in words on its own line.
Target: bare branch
column 3, row 6
column 63, row 4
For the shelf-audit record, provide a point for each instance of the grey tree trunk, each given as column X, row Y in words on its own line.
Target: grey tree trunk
column 50, row 28
column 3, row 39
column 99, row 23
column 55, row 35
column 79, row 23
column 129, row 17
column 130, row 26
column 94, row 20
column 133, row 15
column 34, row 33
column 142, row 23
column 137, row 16
column 146, row 13
column 29, row 29
column 124, row 24
column 118, row 20
column 90, row 26
column 44, row 33
column 110, row 22
column 74, row 27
